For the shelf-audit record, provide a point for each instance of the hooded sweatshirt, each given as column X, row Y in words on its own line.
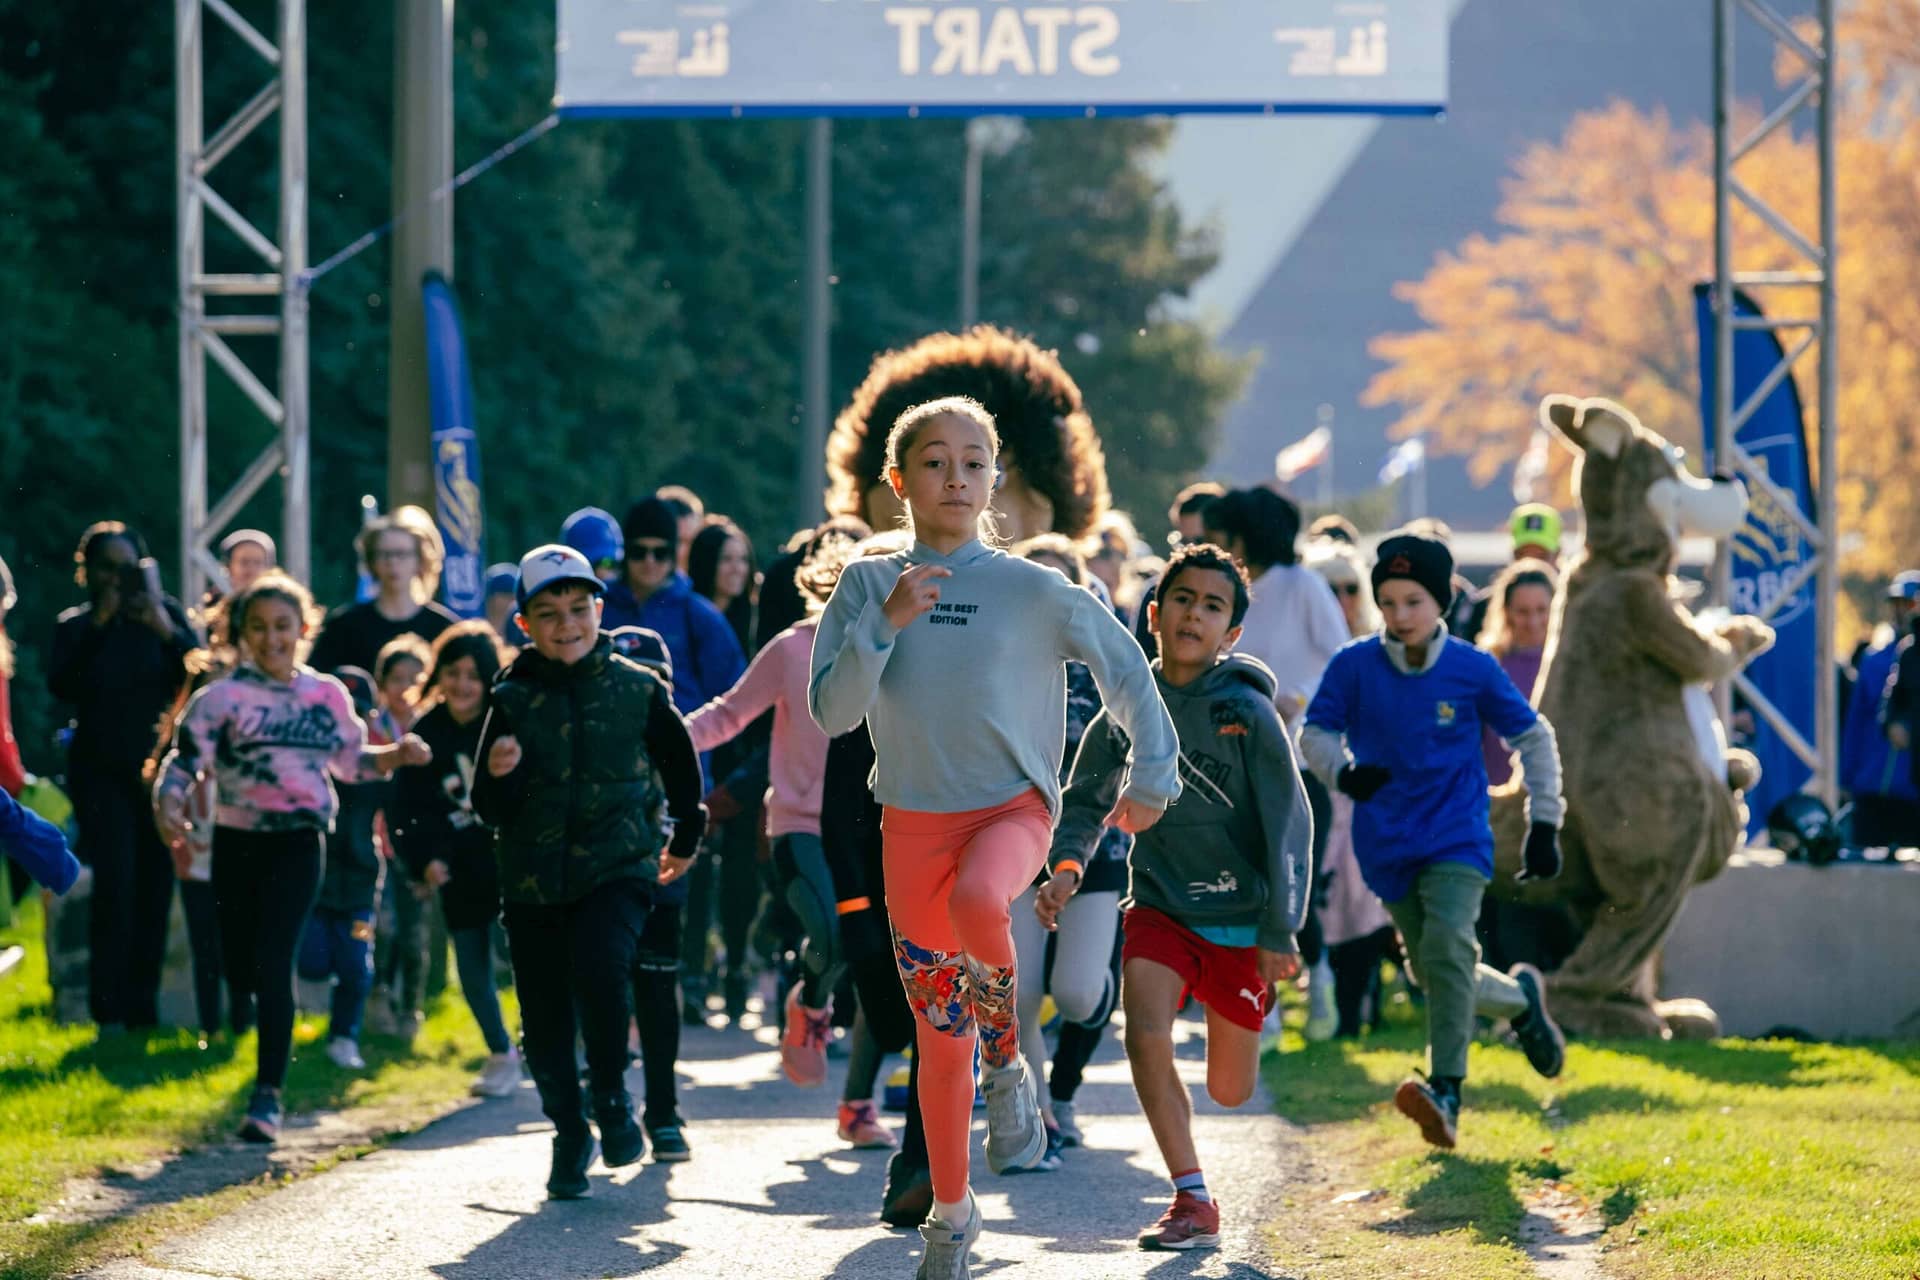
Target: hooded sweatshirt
column 967, row 703
column 777, row 679
column 1235, row 851
column 273, row 748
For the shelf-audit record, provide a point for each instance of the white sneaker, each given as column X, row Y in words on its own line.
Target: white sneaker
column 345, row 1054
column 1016, row 1135
column 500, row 1077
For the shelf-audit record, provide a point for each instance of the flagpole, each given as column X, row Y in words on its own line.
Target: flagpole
column 1326, row 466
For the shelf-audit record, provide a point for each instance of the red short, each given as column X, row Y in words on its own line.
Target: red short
column 1225, row 979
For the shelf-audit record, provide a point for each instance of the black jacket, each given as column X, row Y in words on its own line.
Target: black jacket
column 1902, row 704
column 601, row 745
column 119, row 679
column 351, row 883
column 431, row 819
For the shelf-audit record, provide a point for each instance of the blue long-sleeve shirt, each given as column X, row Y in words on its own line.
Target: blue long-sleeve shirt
column 707, row 659
column 37, row 845
column 967, row 703
column 1869, row 766
column 1424, row 727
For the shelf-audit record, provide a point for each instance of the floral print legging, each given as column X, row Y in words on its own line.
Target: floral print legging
column 950, row 880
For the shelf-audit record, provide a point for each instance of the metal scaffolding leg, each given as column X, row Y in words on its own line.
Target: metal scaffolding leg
column 204, row 333
column 1816, row 87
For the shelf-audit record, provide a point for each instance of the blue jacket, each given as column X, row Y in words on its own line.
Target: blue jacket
column 707, row 660
column 1426, row 730
column 1869, row 766
column 37, row 845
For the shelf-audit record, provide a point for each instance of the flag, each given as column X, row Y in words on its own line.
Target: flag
column 1303, row 455
column 456, row 451
column 1770, row 549
column 1532, row 467
column 1405, row 458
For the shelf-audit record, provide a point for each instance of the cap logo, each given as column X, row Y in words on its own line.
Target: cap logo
column 1400, row 564
column 555, row 557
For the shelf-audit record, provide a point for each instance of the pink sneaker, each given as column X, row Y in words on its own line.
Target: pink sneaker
column 860, row 1127
column 803, row 1046
column 1191, row 1223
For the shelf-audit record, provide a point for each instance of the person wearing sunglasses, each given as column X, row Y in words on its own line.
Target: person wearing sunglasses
column 653, row 593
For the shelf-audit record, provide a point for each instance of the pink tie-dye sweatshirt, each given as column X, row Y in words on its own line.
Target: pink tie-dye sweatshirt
column 272, row 748
column 797, row 764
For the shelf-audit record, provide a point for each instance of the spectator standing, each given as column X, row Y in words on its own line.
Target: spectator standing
column 118, row 661
column 707, row 656
column 689, row 516
column 1877, row 762
column 403, row 552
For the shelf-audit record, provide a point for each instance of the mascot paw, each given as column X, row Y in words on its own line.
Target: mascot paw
column 1743, row 769
column 1689, row 1019
column 1749, row 636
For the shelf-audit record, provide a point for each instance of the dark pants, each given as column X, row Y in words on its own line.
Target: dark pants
column 656, row 1009
column 400, row 947
column 1320, row 806
column 568, row 957
column 132, row 893
column 339, row 945
column 264, row 884
column 1356, row 978
column 1891, row 822
column 473, row 957
column 740, row 888
column 203, row 940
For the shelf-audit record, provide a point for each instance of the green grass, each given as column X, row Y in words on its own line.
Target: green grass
column 1731, row 1159
column 73, row 1104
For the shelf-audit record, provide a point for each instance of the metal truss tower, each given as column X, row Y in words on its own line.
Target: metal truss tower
column 1814, row 327
column 282, row 259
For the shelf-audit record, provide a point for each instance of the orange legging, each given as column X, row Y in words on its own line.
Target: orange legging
column 950, row 879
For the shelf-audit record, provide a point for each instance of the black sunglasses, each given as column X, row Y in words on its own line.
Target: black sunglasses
column 638, row 551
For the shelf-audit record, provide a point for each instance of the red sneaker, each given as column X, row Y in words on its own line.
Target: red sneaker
column 861, row 1129
column 803, row 1046
column 1192, row 1223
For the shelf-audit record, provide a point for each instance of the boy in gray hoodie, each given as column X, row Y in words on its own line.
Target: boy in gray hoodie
column 1217, row 888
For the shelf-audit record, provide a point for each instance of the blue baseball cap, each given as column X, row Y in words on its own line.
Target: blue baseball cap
column 503, row 579
column 1905, row 586
column 550, row 566
column 596, row 535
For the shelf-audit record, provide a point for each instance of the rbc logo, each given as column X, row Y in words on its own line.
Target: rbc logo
column 1771, row 549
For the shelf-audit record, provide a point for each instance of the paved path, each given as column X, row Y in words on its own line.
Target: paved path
column 770, row 1192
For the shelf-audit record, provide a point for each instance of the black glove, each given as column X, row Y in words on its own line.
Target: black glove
column 1361, row 781
column 1542, row 854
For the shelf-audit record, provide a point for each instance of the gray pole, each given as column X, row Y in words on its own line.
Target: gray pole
column 1723, row 408
column 970, row 228
column 809, row 491
column 1827, row 578
column 422, row 165
column 189, row 216
column 296, row 551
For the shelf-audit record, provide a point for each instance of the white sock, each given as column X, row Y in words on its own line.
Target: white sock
column 955, row 1215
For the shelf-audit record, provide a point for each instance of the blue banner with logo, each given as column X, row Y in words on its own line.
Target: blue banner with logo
column 456, row 451
column 1771, row 548
column 1000, row 57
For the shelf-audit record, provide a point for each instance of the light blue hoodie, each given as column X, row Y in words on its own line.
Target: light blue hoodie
column 967, row 704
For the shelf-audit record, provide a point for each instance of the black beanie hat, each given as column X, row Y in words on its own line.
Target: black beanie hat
column 1423, row 560
column 652, row 518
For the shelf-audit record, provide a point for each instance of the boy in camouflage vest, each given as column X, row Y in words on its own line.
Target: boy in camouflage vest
column 581, row 748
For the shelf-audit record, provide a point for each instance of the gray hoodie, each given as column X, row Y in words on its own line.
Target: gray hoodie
column 1237, row 847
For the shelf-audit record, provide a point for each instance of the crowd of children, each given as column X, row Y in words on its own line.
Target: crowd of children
column 981, row 790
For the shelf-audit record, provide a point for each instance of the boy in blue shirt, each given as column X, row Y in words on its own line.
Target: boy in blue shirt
column 1396, row 726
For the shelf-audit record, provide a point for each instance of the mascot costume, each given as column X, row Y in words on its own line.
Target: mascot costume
column 1654, row 802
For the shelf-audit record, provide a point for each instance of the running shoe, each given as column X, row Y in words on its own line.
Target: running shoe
column 1189, row 1223
column 803, row 1045
column 948, row 1246
column 345, row 1054
column 1016, row 1135
column 669, row 1141
column 908, row 1197
column 1068, row 1124
column 1539, row 1037
column 861, row 1129
column 621, row 1142
column 262, row 1122
column 573, row 1154
column 1434, row 1106
column 499, row 1077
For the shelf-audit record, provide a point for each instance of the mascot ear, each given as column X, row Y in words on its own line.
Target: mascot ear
column 1591, row 426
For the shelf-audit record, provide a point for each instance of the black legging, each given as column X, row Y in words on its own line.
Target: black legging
column 656, row 1009
column 264, row 886
column 132, row 894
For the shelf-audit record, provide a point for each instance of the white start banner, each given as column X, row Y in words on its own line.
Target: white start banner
column 1002, row 57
